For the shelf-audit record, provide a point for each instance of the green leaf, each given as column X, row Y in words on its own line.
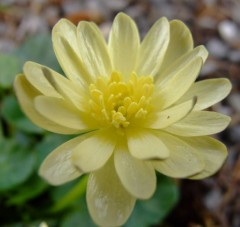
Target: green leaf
column 39, row 49
column 12, row 113
column 10, row 66
column 48, row 144
column 31, row 189
column 16, row 164
column 68, row 197
column 154, row 210
column 78, row 217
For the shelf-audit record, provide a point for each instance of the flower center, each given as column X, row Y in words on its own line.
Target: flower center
column 119, row 103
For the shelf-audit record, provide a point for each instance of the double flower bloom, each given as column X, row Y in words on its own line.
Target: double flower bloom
column 133, row 106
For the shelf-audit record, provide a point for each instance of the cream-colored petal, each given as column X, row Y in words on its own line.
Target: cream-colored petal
column 57, row 168
column 91, row 154
column 65, row 45
column 61, row 112
column 26, row 94
column 165, row 118
column 153, row 48
column 180, row 43
column 108, row 201
column 208, row 92
column 212, row 152
column 35, row 75
column 144, row 144
column 52, row 84
column 169, row 71
column 67, row 89
column 93, row 50
column 174, row 86
column 183, row 160
column 137, row 176
column 200, row 123
column 124, row 44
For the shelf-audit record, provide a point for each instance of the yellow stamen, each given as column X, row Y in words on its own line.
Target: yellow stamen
column 118, row 102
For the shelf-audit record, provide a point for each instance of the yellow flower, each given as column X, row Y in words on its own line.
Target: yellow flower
column 136, row 103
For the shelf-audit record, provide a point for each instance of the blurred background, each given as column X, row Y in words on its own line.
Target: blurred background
column 25, row 34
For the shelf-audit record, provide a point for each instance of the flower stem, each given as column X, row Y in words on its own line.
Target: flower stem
column 77, row 191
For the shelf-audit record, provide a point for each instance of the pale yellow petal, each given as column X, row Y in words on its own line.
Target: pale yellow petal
column 108, row 201
column 66, row 88
column 124, row 44
column 200, row 123
column 176, row 66
column 61, row 112
column 183, row 160
column 212, row 152
column 52, row 84
column 137, row 176
column 57, row 168
column 65, row 45
column 175, row 85
column 144, row 144
column 93, row 50
column 153, row 48
column 91, row 154
column 165, row 118
column 208, row 92
column 35, row 75
column 180, row 43
column 26, row 94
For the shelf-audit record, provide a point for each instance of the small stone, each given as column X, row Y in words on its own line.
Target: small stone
column 235, row 133
column 209, row 67
column 51, row 13
column 217, row 48
column 235, row 11
column 234, row 56
column 112, row 5
column 71, row 6
column 223, row 109
column 106, row 28
column 213, row 199
column 234, row 100
column 207, row 22
column 210, row 2
column 229, row 31
column 31, row 24
column 39, row 1
column 7, row 45
column 12, row 2
column 3, row 28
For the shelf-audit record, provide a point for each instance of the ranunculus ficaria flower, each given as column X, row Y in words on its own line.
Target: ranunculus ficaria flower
column 134, row 107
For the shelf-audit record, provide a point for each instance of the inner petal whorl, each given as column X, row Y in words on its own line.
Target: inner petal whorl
column 118, row 102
